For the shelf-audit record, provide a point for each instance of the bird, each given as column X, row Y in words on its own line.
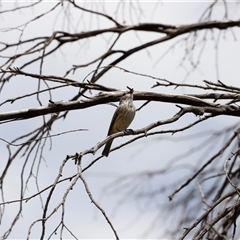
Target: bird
column 121, row 119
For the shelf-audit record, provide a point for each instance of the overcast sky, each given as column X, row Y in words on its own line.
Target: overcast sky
column 126, row 213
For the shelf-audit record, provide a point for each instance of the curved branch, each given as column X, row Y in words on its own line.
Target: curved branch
column 103, row 98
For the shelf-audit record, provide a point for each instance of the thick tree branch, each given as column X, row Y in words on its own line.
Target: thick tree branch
column 103, row 98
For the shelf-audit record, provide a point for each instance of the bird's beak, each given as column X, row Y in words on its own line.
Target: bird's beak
column 131, row 90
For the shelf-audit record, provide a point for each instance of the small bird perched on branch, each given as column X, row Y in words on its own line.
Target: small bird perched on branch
column 122, row 118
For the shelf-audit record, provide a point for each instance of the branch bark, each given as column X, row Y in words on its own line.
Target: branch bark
column 197, row 104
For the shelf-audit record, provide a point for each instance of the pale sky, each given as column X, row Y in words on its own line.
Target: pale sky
column 131, row 217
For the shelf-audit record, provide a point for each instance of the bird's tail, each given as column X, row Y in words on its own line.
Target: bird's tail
column 107, row 147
